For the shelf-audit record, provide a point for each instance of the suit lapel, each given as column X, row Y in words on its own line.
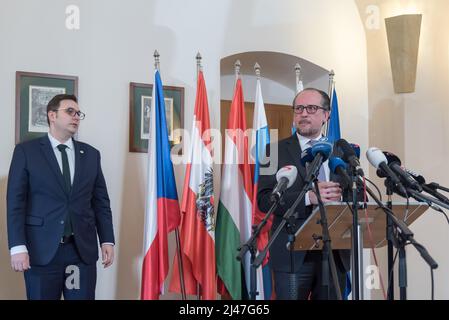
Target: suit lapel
column 78, row 163
column 49, row 155
column 294, row 149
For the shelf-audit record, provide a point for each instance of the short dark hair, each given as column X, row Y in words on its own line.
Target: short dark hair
column 54, row 103
column 325, row 100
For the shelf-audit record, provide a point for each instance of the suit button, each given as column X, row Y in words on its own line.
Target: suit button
column 62, row 221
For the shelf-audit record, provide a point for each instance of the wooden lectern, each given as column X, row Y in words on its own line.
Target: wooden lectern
column 339, row 218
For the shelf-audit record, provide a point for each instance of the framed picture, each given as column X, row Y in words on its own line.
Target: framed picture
column 140, row 95
column 33, row 92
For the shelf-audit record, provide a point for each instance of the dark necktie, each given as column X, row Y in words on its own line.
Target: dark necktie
column 67, row 183
column 321, row 174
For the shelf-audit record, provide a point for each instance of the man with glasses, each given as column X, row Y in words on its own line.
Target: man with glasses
column 57, row 203
column 298, row 274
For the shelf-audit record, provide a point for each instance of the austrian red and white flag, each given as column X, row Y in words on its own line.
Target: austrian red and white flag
column 198, row 216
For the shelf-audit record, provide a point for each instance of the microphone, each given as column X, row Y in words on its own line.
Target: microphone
column 419, row 178
column 429, row 188
column 350, row 156
column 306, row 156
column 379, row 161
column 356, row 149
column 322, row 148
column 285, row 177
column 395, row 164
column 319, row 153
column 436, row 186
column 338, row 166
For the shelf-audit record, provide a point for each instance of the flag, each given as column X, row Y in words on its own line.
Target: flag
column 260, row 139
column 197, row 232
column 333, row 133
column 234, row 208
column 162, row 207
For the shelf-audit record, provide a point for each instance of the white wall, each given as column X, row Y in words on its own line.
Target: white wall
column 414, row 126
column 115, row 46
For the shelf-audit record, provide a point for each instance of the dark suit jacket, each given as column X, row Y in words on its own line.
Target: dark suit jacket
column 289, row 153
column 37, row 202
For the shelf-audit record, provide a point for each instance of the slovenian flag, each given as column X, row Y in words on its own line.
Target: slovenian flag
column 162, row 208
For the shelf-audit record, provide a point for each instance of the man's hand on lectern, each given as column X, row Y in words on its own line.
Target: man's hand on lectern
column 329, row 191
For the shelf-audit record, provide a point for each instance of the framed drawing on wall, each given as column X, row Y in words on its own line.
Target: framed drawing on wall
column 33, row 92
column 140, row 95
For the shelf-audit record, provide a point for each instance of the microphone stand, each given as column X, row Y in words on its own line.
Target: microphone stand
column 327, row 254
column 404, row 235
column 251, row 246
column 390, row 241
column 311, row 176
column 357, row 240
column 399, row 243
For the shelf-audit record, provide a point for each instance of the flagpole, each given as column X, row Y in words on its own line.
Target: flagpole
column 178, row 242
column 331, row 96
column 156, row 60
column 237, row 66
column 298, row 76
column 198, row 70
column 198, row 64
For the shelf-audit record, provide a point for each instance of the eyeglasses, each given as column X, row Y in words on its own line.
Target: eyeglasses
column 72, row 112
column 311, row 109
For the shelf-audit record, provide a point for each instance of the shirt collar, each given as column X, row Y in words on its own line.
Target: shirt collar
column 303, row 141
column 54, row 142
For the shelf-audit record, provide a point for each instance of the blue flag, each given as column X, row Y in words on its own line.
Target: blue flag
column 333, row 133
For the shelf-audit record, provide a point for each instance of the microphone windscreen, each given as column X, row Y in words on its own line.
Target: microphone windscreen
column 347, row 149
column 323, row 148
column 335, row 162
column 392, row 158
column 375, row 157
column 290, row 172
column 306, row 156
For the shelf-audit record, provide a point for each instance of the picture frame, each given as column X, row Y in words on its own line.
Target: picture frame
column 140, row 95
column 33, row 92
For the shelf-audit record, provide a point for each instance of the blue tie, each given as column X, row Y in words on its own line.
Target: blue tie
column 321, row 174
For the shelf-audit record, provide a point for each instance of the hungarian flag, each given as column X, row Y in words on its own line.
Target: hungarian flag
column 235, row 209
column 198, row 217
column 162, row 207
column 260, row 139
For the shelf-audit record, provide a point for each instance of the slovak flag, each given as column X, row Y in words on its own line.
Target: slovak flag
column 162, row 213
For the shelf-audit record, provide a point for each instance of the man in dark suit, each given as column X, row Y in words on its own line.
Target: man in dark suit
column 311, row 111
column 57, row 202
